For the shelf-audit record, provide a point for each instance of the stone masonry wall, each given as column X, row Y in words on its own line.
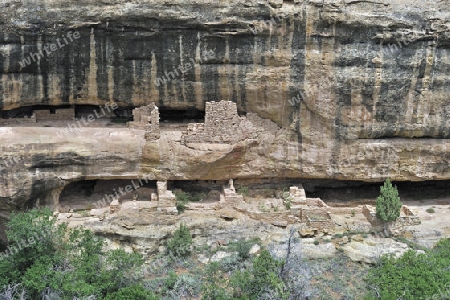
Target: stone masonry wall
column 65, row 114
column 222, row 125
column 6, row 122
column 317, row 218
column 146, row 118
column 406, row 218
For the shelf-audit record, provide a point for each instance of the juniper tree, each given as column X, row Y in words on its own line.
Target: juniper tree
column 388, row 203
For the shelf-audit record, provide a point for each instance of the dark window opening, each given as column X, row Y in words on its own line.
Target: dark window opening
column 190, row 115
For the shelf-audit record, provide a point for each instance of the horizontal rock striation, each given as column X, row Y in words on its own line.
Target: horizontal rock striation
column 348, row 90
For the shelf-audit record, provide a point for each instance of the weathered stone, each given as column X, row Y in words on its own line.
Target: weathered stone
column 282, row 224
column 254, row 249
column 114, row 206
column 371, row 249
column 228, row 214
column 340, row 95
column 127, row 225
column 146, row 118
column 219, row 255
column 297, row 194
column 323, row 250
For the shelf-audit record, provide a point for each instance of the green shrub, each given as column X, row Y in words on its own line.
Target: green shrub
column 214, row 287
column 62, row 261
column 243, row 190
column 187, row 286
column 243, row 249
column 261, row 280
column 230, row 263
column 263, row 208
column 316, row 243
column 413, row 276
column 286, row 196
column 135, row 292
column 170, row 281
column 181, row 242
column 181, row 198
column 181, row 207
column 258, row 281
column 430, row 210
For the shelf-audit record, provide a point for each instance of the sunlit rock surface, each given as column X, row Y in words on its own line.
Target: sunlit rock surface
column 346, row 90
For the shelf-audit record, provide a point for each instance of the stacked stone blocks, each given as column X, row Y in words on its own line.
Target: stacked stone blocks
column 146, row 118
column 222, row 125
column 64, row 114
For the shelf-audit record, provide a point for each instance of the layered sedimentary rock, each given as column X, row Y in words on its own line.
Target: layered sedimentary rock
column 354, row 90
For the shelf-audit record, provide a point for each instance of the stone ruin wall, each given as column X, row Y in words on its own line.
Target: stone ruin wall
column 368, row 213
column 146, row 118
column 62, row 114
column 323, row 223
column 224, row 125
column 222, row 121
column 315, row 202
column 406, row 218
column 26, row 119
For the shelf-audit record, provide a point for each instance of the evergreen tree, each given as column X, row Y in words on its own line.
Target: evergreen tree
column 388, row 204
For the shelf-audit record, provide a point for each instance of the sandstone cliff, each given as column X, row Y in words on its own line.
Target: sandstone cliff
column 353, row 90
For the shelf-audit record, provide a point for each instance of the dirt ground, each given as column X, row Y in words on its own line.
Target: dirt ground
column 430, row 201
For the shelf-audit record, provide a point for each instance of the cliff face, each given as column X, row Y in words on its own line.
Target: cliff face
column 354, row 90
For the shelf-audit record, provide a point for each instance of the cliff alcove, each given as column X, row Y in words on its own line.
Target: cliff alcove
column 272, row 115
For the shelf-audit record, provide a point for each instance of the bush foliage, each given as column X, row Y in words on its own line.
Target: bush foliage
column 260, row 281
column 181, row 242
column 413, row 275
column 63, row 263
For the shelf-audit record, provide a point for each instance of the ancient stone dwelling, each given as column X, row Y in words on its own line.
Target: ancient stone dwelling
column 146, row 118
column 224, row 125
column 406, row 218
column 270, row 94
column 67, row 114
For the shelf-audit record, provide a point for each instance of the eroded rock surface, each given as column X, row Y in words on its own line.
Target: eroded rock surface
column 343, row 87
